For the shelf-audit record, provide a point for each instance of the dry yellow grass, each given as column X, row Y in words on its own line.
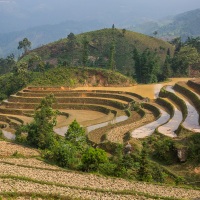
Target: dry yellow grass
column 8, row 149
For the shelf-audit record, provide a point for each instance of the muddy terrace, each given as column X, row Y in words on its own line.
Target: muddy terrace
column 110, row 111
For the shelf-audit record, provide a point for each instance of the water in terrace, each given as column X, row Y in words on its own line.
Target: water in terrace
column 8, row 135
column 150, row 90
column 169, row 128
column 61, row 131
column 192, row 120
column 148, row 129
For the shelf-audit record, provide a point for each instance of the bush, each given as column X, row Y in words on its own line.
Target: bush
column 164, row 151
column 63, row 154
column 194, row 147
column 76, row 135
column 92, row 158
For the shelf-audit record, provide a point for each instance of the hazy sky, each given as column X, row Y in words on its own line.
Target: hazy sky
column 27, row 13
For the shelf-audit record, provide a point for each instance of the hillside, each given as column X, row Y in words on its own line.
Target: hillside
column 183, row 25
column 73, row 77
column 62, row 76
column 69, row 51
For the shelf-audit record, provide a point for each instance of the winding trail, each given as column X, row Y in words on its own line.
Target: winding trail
column 172, row 125
column 191, row 122
column 148, row 129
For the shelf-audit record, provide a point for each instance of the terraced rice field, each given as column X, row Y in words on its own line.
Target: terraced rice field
column 103, row 111
column 100, row 112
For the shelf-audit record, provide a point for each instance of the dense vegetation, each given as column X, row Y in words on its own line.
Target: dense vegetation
column 20, row 77
column 186, row 57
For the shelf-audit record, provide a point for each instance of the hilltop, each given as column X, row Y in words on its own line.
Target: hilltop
column 68, row 51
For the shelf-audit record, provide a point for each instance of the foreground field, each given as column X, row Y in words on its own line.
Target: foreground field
column 29, row 177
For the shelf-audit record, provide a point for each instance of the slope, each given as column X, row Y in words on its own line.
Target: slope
column 69, row 51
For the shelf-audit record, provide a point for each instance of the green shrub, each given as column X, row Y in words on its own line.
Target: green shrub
column 164, row 151
column 76, row 135
column 92, row 158
column 64, row 154
column 194, row 147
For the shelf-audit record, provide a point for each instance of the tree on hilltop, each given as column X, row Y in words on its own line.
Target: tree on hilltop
column 25, row 44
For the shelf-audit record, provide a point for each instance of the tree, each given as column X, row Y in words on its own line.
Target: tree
column 123, row 32
column 155, row 33
column 21, row 73
column 71, row 44
column 40, row 131
column 167, row 71
column 33, row 61
column 112, row 57
column 76, row 134
column 177, row 43
column 194, row 42
column 184, row 59
column 92, row 158
column 25, row 44
column 146, row 66
column 144, row 170
column 7, row 64
column 85, row 51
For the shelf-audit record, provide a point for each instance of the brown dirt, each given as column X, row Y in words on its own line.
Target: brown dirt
column 8, row 149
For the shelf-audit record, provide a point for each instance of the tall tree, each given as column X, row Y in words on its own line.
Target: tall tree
column 76, row 134
column 40, row 131
column 144, row 172
column 85, row 51
column 155, row 33
column 112, row 56
column 167, row 71
column 146, row 66
column 123, row 32
column 71, row 45
column 25, row 44
column 177, row 43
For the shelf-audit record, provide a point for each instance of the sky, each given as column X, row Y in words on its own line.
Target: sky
column 21, row 14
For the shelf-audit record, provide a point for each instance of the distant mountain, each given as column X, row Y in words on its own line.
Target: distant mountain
column 44, row 34
column 183, row 25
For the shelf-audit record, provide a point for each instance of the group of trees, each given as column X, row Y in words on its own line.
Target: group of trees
column 187, row 55
column 149, row 69
column 7, row 64
column 146, row 66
